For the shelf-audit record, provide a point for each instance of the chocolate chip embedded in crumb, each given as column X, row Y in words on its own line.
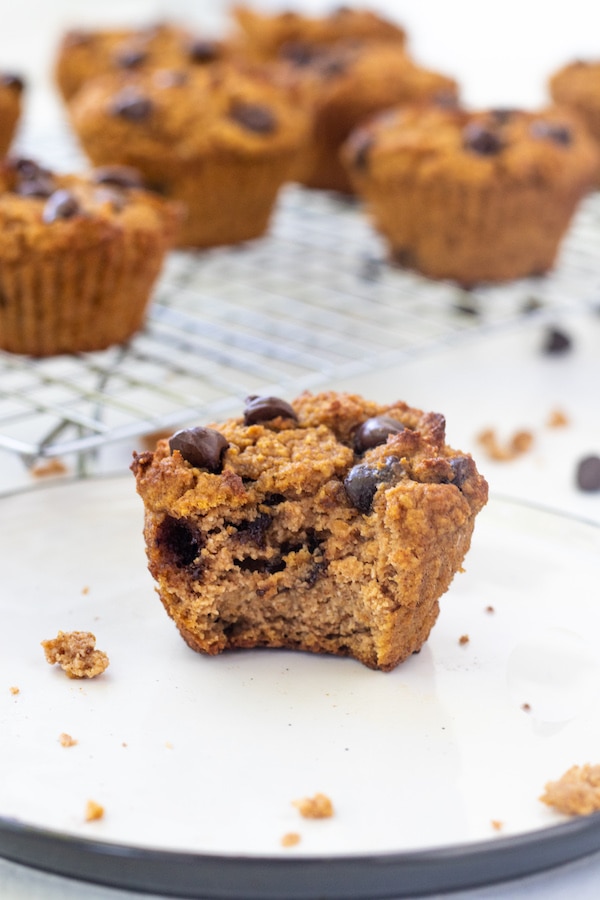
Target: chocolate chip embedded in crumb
column 556, row 342
column 9, row 79
column 201, row 447
column 362, row 481
column 254, row 117
column 117, row 176
column 361, row 146
column 375, row 431
column 60, row 205
column 463, row 467
column 481, row 140
column 131, row 104
column 201, row 50
column 263, row 409
column 588, row 473
column 130, row 57
column 552, row 131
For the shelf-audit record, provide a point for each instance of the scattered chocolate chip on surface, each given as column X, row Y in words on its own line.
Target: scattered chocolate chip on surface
column 556, row 341
column 588, row 474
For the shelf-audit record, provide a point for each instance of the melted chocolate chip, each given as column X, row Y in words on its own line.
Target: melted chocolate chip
column 117, row 176
column 362, row 481
column 179, row 542
column 588, row 473
column 254, row 531
column 201, row 447
column 131, row 104
column 463, row 467
column 481, row 140
column 203, row 51
column 254, row 116
column 556, row 342
column 552, row 131
column 375, row 431
column 61, row 204
column 9, row 79
column 262, row 409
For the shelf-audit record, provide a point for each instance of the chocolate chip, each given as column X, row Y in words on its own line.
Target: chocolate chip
column 179, row 543
column 375, row 431
column 78, row 38
column 262, row 409
column 203, row 51
column 588, row 473
column 201, row 447
column 481, row 140
column 362, row 144
column 8, row 79
column 254, row 117
column 504, row 114
column 32, row 179
column 297, row 53
column 131, row 104
column 362, row 481
column 556, row 342
column 117, row 176
column 463, row 467
column 60, row 205
column 552, row 131
column 130, row 57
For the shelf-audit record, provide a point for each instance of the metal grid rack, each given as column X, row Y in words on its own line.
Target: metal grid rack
column 312, row 301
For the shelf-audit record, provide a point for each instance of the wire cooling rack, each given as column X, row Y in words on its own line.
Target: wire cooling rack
column 311, row 301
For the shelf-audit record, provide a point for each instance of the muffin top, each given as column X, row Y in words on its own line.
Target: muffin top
column 47, row 211
column 265, row 35
column 177, row 116
column 85, row 54
column 425, row 143
column 578, row 83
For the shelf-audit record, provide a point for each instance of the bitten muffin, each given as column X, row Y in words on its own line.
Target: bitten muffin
column 263, row 35
column 332, row 524
column 85, row 54
column 220, row 140
column 577, row 87
column 341, row 86
column 474, row 197
column 11, row 97
column 79, row 256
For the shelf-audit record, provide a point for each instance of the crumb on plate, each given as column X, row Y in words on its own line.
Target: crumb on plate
column 65, row 740
column 557, row 418
column 290, row 839
column 93, row 811
column 576, row 793
column 75, row 653
column 14, row 690
column 497, row 825
column 464, row 639
column 48, row 468
column 519, row 443
column 317, row 807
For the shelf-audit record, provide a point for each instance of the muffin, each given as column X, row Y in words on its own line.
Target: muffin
column 78, row 258
column 262, row 36
column 474, row 197
column 332, row 525
column 11, row 96
column 577, row 87
column 85, row 54
column 341, row 86
column 219, row 139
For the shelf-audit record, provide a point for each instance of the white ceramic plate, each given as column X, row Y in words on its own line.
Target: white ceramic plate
column 435, row 770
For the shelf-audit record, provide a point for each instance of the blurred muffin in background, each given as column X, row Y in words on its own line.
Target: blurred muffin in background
column 346, row 83
column 12, row 88
column 85, row 54
column 219, row 139
column 79, row 257
column 577, row 87
column 263, row 36
column 473, row 197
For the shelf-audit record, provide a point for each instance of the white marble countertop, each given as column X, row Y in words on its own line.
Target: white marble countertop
column 502, row 54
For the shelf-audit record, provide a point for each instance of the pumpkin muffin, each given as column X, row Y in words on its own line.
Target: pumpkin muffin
column 577, row 87
column 219, row 139
column 78, row 258
column 263, row 36
column 332, row 525
column 345, row 84
column 85, row 54
column 11, row 97
column 472, row 196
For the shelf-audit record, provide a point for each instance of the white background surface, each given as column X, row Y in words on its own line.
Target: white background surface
column 502, row 55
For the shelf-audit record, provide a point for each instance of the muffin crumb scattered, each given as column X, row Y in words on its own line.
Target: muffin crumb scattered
column 497, row 825
column 48, row 468
column 291, row 839
column 65, row 740
column 576, row 793
column 93, row 811
column 557, row 418
column 464, row 639
column 75, row 653
column 317, row 807
column 519, row 443
column 14, row 690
